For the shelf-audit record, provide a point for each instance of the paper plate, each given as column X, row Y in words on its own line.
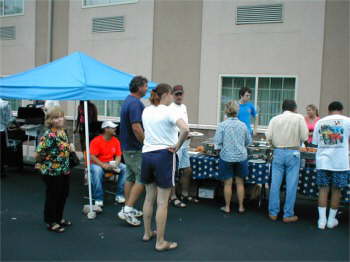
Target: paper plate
column 196, row 134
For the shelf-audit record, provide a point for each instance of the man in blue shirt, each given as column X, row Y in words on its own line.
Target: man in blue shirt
column 246, row 109
column 131, row 137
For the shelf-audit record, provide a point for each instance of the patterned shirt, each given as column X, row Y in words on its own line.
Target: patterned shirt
column 54, row 151
column 232, row 137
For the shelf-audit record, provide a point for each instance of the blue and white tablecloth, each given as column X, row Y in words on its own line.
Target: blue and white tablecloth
column 207, row 167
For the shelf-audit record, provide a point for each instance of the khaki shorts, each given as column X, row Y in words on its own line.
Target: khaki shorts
column 133, row 160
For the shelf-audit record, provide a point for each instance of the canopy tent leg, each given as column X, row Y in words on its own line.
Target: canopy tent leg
column 74, row 119
column 91, row 214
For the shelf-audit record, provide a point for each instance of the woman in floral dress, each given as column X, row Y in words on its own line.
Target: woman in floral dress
column 52, row 155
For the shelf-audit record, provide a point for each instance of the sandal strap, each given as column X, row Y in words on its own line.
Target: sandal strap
column 55, row 227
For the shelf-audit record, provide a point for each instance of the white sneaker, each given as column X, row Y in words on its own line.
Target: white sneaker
column 322, row 223
column 332, row 223
column 122, row 214
column 99, row 203
column 120, row 199
column 129, row 218
column 137, row 213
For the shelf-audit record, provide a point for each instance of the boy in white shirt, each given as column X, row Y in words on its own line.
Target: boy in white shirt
column 331, row 134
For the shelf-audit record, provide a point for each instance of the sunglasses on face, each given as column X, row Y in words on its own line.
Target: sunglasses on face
column 178, row 94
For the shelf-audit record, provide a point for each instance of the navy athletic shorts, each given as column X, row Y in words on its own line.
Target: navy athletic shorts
column 159, row 167
column 229, row 170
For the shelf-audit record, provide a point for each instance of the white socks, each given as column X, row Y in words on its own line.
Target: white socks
column 322, row 220
column 332, row 221
column 127, row 209
column 332, row 213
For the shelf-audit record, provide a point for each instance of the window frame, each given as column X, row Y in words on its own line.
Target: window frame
column 257, row 76
column 18, row 14
column 123, row 2
column 105, row 117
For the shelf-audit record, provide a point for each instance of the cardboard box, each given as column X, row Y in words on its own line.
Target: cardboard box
column 206, row 192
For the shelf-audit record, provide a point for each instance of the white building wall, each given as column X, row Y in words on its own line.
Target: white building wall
column 293, row 47
column 19, row 55
column 129, row 51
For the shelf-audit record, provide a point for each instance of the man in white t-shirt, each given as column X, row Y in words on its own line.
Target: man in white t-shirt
column 184, row 160
column 331, row 134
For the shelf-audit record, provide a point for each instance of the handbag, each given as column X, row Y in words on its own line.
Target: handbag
column 73, row 159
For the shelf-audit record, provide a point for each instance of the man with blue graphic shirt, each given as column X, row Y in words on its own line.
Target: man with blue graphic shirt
column 247, row 110
column 131, row 137
column 331, row 134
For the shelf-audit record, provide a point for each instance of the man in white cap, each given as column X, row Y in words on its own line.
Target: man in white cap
column 184, row 159
column 105, row 151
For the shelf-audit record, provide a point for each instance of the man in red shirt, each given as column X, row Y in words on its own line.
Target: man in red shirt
column 105, row 151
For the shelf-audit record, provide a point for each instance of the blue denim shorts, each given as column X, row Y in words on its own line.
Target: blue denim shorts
column 326, row 178
column 229, row 170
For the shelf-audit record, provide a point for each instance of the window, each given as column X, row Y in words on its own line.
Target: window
column 11, row 7
column 231, row 87
column 268, row 93
column 110, row 108
column 94, row 3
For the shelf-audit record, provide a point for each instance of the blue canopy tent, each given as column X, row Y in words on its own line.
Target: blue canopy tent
column 74, row 77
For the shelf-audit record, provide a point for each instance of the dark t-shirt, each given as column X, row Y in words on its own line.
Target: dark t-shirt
column 131, row 112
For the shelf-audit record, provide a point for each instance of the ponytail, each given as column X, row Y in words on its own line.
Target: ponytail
column 155, row 99
column 158, row 92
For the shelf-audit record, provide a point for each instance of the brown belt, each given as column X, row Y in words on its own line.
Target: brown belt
column 288, row 148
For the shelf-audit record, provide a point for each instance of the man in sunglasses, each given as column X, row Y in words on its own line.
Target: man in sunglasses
column 184, row 160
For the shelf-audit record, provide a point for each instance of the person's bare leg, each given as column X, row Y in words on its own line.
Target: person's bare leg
column 173, row 193
column 161, row 216
column 151, row 193
column 228, row 194
column 323, row 196
column 240, row 193
column 134, row 194
column 335, row 198
column 127, row 188
column 186, row 181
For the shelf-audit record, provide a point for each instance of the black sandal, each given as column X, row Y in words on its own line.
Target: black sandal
column 54, row 227
column 190, row 199
column 65, row 223
column 177, row 203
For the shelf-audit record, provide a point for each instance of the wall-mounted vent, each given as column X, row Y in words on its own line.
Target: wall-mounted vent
column 108, row 24
column 259, row 14
column 7, row 33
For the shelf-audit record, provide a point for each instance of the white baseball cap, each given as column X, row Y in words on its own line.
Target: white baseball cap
column 110, row 124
